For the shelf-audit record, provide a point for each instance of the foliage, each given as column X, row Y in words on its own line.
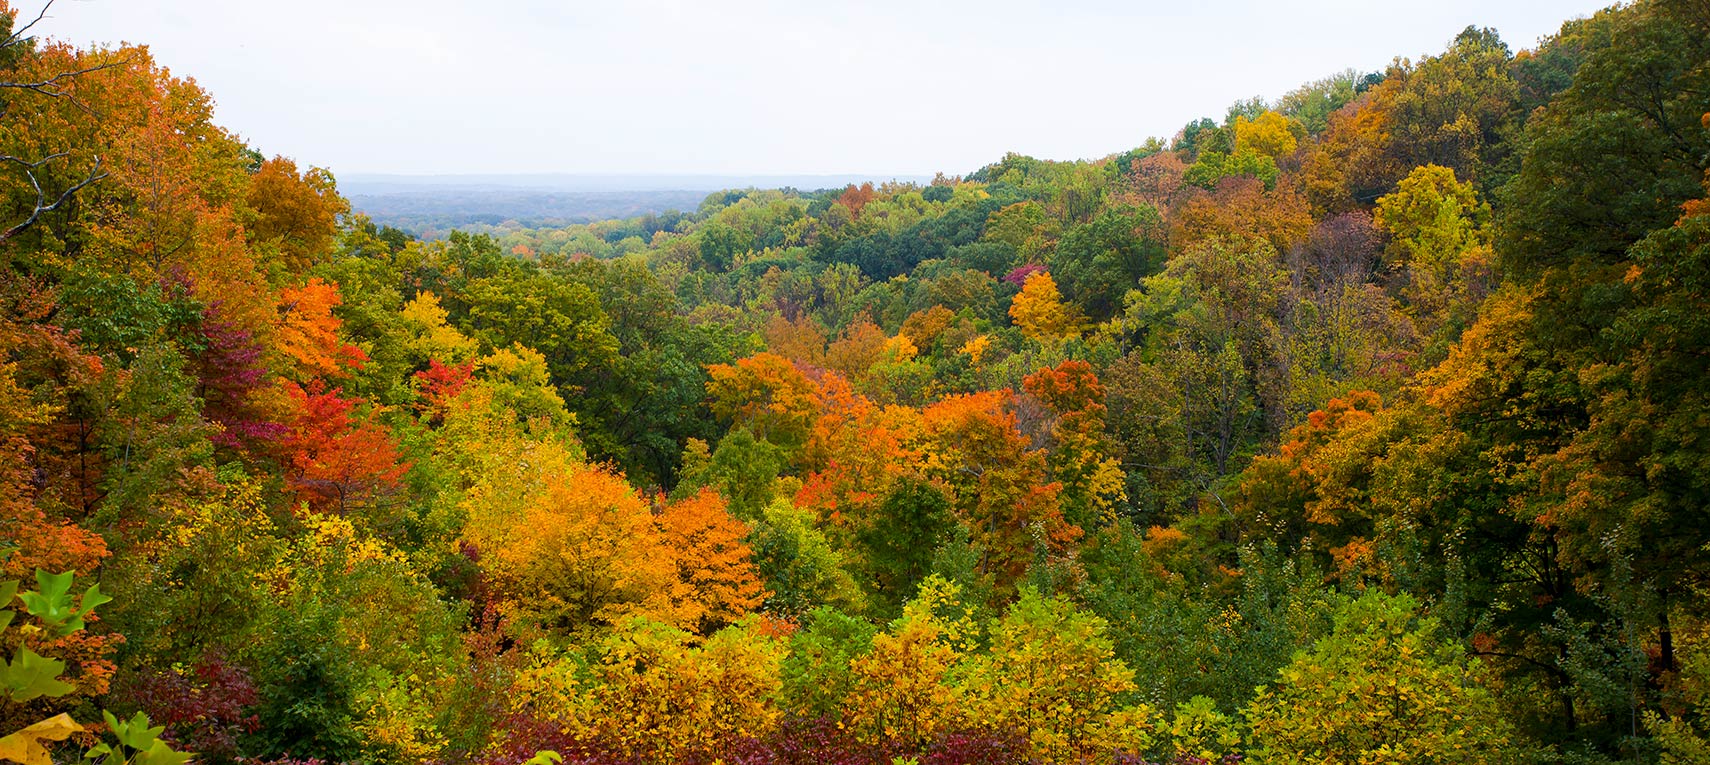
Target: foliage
column 1380, row 688
column 1386, row 398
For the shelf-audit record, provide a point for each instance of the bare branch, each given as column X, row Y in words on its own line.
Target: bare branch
column 95, row 174
column 27, row 164
column 52, row 88
column 46, row 87
column 17, row 36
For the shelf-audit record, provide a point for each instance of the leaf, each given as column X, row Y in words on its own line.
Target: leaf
column 51, row 602
column 25, row 745
column 8, row 593
column 545, row 757
column 29, row 676
column 160, row 754
column 134, row 733
column 92, row 597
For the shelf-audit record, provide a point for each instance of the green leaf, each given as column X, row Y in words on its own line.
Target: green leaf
column 8, row 593
column 92, row 597
column 30, row 676
column 55, row 586
column 160, row 754
column 51, row 602
column 545, row 757
column 134, row 733
column 94, row 753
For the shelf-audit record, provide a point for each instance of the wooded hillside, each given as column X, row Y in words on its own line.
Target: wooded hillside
column 1369, row 425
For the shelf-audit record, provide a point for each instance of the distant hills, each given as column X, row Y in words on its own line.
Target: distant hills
column 430, row 205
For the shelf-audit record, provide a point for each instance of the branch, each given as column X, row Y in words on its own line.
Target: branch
column 95, row 174
column 18, row 36
column 46, row 87
column 49, row 87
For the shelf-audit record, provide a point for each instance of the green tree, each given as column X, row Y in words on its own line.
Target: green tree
column 1384, row 686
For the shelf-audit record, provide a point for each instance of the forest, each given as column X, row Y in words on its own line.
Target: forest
column 1368, row 425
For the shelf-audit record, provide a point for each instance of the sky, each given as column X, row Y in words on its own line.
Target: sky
column 907, row 87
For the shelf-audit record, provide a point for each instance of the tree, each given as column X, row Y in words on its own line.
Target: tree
column 997, row 483
column 902, row 687
column 583, row 551
column 29, row 676
column 898, row 542
column 337, row 463
column 561, row 319
column 800, row 567
column 765, row 394
column 1051, row 676
column 296, row 214
column 1313, row 103
column 1092, row 482
column 1039, row 311
column 40, row 539
column 1438, row 243
column 1270, row 134
column 307, row 332
column 1097, row 262
column 662, row 700
column 25, row 72
column 1314, row 491
column 712, row 559
column 818, row 675
column 1381, row 687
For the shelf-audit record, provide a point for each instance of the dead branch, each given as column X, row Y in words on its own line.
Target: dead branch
column 42, row 205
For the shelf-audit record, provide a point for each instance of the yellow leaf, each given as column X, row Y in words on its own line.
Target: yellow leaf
column 25, row 746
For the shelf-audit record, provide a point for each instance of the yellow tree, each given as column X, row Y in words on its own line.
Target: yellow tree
column 1439, row 244
column 1268, row 134
column 902, row 688
column 431, row 337
column 296, row 215
column 766, row 394
column 1383, row 687
column 584, row 550
column 661, row 699
column 1052, row 676
column 1039, row 311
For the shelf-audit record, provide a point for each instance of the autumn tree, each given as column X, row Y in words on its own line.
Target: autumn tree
column 307, row 332
column 1439, row 245
column 712, row 560
column 902, row 689
column 765, row 394
column 1383, row 687
column 30, row 74
column 1051, row 676
column 1039, row 311
column 997, row 482
column 582, row 549
column 660, row 698
column 336, row 461
column 1092, row 481
column 295, row 213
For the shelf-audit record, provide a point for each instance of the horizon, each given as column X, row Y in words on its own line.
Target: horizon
column 756, row 88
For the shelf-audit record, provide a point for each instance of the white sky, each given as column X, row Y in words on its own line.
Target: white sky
column 754, row 86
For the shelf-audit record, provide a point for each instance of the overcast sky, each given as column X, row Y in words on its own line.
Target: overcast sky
column 751, row 87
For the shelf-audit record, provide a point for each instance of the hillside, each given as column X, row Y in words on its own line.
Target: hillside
column 1369, row 425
